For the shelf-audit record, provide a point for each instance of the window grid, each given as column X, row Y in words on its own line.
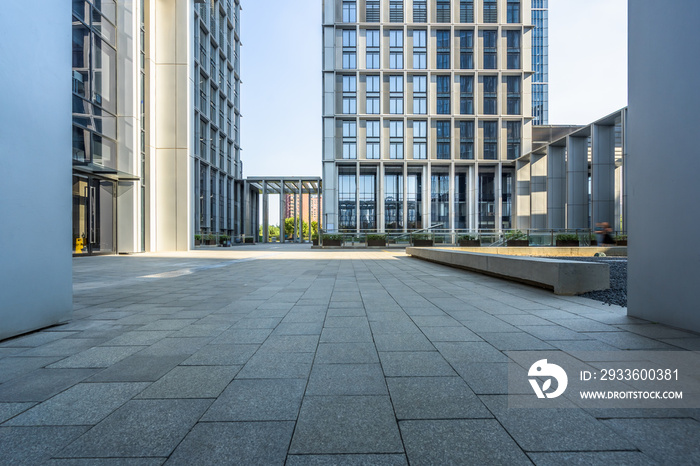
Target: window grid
column 420, row 11
column 466, row 95
column 490, row 140
column 466, row 11
column 490, row 11
column 349, row 11
column 513, row 98
column 373, row 139
column 373, row 95
column 420, row 50
column 513, row 11
column 349, row 94
column 443, row 50
column 349, row 140
column 443, row 139
column 395, row 95
column 420, row 139
column 443, row 95
column 490, row 95
column 396, row 11
column 396, row 49
column 466, row 140
column 395, row 139
column 513, row 42
column 442, row 11
column 420, row 95
column 466, row 50
column 349, row 49
column 372, row 49
column 513, row 130
column 372, row 11
column 490, row 50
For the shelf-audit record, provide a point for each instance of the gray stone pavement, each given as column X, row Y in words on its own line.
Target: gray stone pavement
column 286, row 355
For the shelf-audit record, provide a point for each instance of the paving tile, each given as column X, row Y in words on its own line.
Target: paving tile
column 138, row 368
column 553, row 332
column 221, row 355
column 435, row 321
column 515, row 341
column 140, row 428
column 662, row 439
column 290, row 344
column 298, row 328
column 629, row 341
column 415, row 364
column 138, row 337
column 249, row 443
column 346, row 335
column 458, row 352
column 262, row 322
column 9, row 410
column 106, row 462
column 13, row 367
column 356, row 311
column 34, row 445
column 403, row 342
column 346, row 424
column 42, row 384
column 627, row 458
column 34, row 339
column 393, row 327
column 63, row 347
column 346, row 460
column 582, row 324
column 103, row 356
column 192, row 382
column 457, row 333
column 434, row 398
column 346, row 379
column 472, row 441
column 82, row 404
column 242, row 336
column 346, row 353
column 656, row 331
column 277, row 366
column 556, row 429
column 258, row 400
column 172, row 346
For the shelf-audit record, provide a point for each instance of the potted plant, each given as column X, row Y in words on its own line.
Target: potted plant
column 469, row 241
column 376, row 240
column 211, row 240
column 516, row 238
column 593, row 240
column 621, row 240
column 197, row 240
column 567, row 240
column 314, row 239
column 332, row 240
column 224, row 240
column 422, row 240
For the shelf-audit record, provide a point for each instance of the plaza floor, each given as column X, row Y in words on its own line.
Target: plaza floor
column 285, row 355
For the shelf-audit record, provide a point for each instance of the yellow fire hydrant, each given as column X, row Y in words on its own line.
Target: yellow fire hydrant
column 79, row 245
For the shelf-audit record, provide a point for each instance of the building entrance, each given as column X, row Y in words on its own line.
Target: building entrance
column 93, row 215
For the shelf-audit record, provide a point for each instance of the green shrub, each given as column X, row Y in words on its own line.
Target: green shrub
column 468, row 238
column 620, row 237
column 515, row 234
column 421, row 237
column 210, row 237
column 332, row 237
column 198, row 237
column 376, row 237
column 567, row 237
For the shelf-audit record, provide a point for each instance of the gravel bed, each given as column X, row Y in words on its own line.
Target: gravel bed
column 617, row 293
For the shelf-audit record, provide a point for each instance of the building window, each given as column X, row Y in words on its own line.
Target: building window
column 349, row 49
column 440, row 199
column 414, row 195
column 513, row 11
column 419, row 50
column 490, row 95
column 368, row 203
column 490, row 50
column 349, row 94
column 373, row 139
column 442, row 11
column 490, row 11
column 212, row 146
column 443, row 50
column 420, row 11
column 347, row 198
column 420, row 95
column 372, row 11
column 513, row 102
column 513, row 60
column 396, row 95
column 373, row 49
column 349, row 140
column 466, row 140
column 373, row 95
column 466, row 95
column 420, row 139
column 443, row 95
column 396, row 11
column 396, row 49
column 490, row 140
column 443, row 139
column 466, row 50
column 395, row 139
column 466, row 11
column 513, row 130
column 349, row 11
column 393, row 201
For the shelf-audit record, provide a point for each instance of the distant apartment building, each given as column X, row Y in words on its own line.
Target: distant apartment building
column 310, row 206
column 156, row 142
column 426, row 107
column 540, row 62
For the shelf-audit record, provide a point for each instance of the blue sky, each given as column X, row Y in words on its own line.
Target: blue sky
column 281, row 73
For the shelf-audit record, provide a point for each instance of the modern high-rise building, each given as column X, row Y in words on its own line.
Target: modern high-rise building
column 426, row 106
column 156, row 145
column 308, row 209
column 540, row 62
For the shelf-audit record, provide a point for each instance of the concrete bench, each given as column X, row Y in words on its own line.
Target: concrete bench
column 562, row 276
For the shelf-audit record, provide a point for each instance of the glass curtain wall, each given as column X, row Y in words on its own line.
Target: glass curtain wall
column 347, row 200
column 368, row 201
column 393, row 200
column 414, row 196
column 487, row 200
column 440, row 199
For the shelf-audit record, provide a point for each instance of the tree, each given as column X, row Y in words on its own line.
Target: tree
column 289, row 228
column 272, row 231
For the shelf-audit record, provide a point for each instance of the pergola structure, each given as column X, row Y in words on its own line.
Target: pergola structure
column 282, row 186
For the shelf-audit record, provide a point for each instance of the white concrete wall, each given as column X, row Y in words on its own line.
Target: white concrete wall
column 663, row 162
column 35, row 156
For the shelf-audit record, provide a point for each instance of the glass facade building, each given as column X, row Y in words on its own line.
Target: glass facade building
column 134, row 151
column 441, row 114
column 540, row 62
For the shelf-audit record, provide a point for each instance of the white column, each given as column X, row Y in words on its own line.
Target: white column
column 577, row 183
column 265, row 213
column 556, row 187
column 538, row 191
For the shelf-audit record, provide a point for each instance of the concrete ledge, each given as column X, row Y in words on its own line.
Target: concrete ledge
column 547, row 251
column 562, row 276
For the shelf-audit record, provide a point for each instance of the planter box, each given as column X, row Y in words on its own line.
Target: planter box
column 376, row 242
column 519, row 243
column 211, row 242
column 621, row 242
column 332, row 242
column 314, row 242
column 250, row 240
column 470, row 243
column 422, row 242
column 197, row 242
column 567, row 243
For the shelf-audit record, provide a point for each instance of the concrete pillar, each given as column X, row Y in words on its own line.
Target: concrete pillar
column 522, row 195
column 282, row 240
column 577, row 183
column 451, row 199
column 556, row 187
column 474, row 197
column 427, row 196
column 300, row 236
column 265, row 213
column 380, row 199
column 498, row 196
column 405, row 197
column 603, row 175
column 246, row 209
column 538, row 191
